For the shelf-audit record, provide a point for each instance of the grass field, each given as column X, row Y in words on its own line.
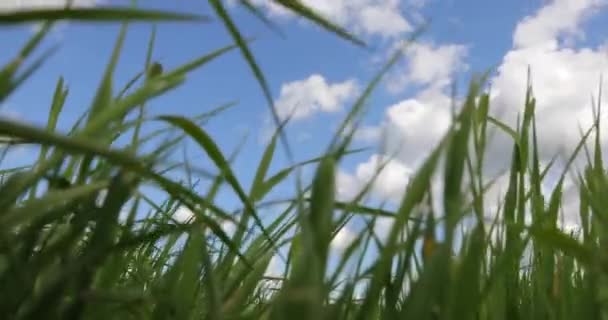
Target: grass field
column 80, row 239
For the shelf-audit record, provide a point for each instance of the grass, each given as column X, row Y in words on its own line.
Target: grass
column 81, row 239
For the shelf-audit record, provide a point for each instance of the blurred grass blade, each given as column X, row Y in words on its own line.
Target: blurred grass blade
column 104, row 14
column 306, row 12
column 261, row 16
column 505, row 128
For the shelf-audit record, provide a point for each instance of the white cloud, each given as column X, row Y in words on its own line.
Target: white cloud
column 389, row 184
column 347, row 186
column 275, row 267
column 301, row 99
column 229, row 227
column 371, row 17
column 343, row 239
column 415, row 125
column 563, row 78
column 560, row 17
column 183, row 215
column 368, row 134
column 383, row 227
column 12, row 5
column 429, row 64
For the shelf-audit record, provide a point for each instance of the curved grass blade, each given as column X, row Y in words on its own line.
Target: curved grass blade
column 7, row 83
column 32, row 209
column 358, row 106
column 505, row 128
column 257, row 72
column 107, row 14
column 205, row 141
column 260, row 15
column 307, row 13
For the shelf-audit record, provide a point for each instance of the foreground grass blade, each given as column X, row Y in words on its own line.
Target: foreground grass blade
column 209, row 146
column 257, row 72
column 104, row 14
column 306, row 12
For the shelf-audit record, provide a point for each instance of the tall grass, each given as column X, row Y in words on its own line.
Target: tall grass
column 80, row 238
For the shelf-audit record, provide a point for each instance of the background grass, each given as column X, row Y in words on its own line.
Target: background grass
column 81, row 239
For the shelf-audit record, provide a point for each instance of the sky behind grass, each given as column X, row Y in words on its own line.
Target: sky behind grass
column 317, row 76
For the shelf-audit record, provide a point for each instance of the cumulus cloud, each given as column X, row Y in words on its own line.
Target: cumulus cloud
column 368, row 134
column 371, row 17
column 13, row 5
column 347, row 186
column 343, row 239
column 413, row 126
column 416, row 125
column 429, row 64
column 389, row 184
column 563, row 77
column 302, row 98
column 558, row 18
column 411, row 129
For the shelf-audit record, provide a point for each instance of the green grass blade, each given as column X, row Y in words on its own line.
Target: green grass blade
column 253, row 65
column 107, row 14
column 304, row 11
column 212, row 150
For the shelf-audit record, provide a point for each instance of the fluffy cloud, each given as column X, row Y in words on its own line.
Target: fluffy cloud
column 412, row 127
column 560, row 17
column 429, row 64
column 11, row 5
column 563, row 77
column 343, row 239
column 370, row 17
column 389, row 184
column 301, row 99
column 347, row 186
column 416, row 125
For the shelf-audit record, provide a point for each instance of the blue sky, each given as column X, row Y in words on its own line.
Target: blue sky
column 562, row 40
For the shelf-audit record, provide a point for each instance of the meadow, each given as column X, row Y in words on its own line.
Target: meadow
column 81, row 239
